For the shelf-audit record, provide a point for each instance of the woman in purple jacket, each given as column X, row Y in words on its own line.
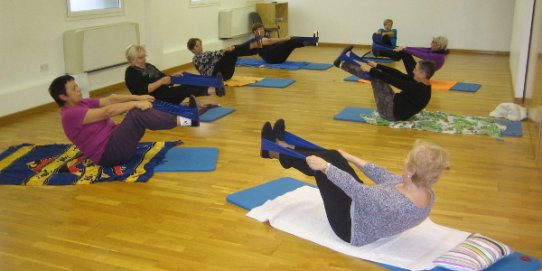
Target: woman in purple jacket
column 436, row 53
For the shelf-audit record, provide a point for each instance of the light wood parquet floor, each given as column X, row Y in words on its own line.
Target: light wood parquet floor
column 181, row 221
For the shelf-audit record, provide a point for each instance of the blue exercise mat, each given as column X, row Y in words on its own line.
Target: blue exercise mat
column 513, row 128
column 258, row 195
column 215, row 113
column 189, row 160
column 353, row 114
column 317, row 66
column 287, row 65
column 466, row 87
column 273, row 83
column 351, row 78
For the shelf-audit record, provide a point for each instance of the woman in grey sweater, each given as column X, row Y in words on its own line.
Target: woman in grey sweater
column 360, row 213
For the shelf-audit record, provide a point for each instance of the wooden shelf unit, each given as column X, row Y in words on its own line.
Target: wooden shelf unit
column 274, row 14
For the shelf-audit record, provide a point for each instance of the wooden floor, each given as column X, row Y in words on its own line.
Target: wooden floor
column 181, row 221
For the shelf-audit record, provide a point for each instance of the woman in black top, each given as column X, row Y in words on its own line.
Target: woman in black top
column 144, row 78
column 415, row 91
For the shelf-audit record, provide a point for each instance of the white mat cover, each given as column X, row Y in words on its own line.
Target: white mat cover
column 301, row 213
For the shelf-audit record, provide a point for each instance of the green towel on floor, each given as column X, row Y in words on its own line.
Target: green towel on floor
column 442, row 123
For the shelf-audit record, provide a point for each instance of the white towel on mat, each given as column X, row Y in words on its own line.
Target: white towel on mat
column 301, row 213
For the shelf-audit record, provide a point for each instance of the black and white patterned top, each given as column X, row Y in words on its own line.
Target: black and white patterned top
column 205, row 62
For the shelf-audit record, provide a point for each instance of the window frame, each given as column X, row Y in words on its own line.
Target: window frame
column 203, row 3
column 105, row 12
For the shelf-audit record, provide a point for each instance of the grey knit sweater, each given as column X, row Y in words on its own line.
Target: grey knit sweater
column 379, row 210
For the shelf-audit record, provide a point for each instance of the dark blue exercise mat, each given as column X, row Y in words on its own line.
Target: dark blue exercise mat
column 184, row 159
column 215, row 113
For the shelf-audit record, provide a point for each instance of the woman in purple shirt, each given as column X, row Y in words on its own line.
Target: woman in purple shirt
column 436, row 53
column 87, row 121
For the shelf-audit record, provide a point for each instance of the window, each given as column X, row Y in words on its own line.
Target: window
column 94, row 8
column 199, row 3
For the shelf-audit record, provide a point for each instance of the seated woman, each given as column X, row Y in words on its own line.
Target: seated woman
column 277, row 50
column 415, row 90
column 358, row 213
column 87, row 122
column 437, row 53
column 221, row 62
column 144, row 78
column 386, row 36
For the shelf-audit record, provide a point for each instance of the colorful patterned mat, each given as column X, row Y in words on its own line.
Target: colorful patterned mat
column 64, row 164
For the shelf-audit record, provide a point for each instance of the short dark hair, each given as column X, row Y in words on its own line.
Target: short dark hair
column 427, row 67
column 192, row 43
column 256, row 26
column 58, row 87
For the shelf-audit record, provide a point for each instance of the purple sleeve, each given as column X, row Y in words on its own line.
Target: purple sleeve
column 427, row 54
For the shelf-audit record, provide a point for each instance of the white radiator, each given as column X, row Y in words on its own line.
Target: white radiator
column 93, row 48
column 234, row 22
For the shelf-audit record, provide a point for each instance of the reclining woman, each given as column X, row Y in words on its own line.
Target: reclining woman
column 88, row 125
column 437, row 53
column 144, row 78
column 212, row 63
column 415, row 91
column 277, row 50
column 358, row 213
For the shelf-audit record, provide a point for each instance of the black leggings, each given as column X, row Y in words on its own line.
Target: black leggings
column 408, row 60
column 279, row 52
column 226, row 65
column 176, row 94
column 382, row 92
column 336, row 202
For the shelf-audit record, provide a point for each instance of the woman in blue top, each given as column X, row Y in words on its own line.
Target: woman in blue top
column 387, row 35
column 358, row 213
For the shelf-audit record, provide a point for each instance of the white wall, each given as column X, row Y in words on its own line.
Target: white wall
column 468, row 24
column 519, row 45
column 32, row 33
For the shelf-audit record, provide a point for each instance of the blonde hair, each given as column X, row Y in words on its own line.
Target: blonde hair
column 387, row 21
column 442, row 42
column 427, row 160
column 133, row 51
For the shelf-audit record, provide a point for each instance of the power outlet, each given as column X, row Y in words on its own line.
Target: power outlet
column 44, row 67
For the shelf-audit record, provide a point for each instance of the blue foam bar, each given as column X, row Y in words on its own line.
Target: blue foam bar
column 272, row 146
column 176, row 109
column 197, row 80
column 298, row 141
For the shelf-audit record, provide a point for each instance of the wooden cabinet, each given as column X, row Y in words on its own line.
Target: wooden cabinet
column 274, row 14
